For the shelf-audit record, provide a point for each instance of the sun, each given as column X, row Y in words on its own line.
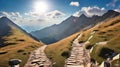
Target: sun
column 40, row 7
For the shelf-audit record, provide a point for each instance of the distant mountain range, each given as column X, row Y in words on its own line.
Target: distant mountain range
column 70, row 26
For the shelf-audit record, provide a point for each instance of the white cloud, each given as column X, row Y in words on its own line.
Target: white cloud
column 90, row 11
column 117, row 9
column 10, row 14
column 77, row 14
column 112, row 3
column 33, row 21
column 55, row 14
column 74, row 4
column 32, row 14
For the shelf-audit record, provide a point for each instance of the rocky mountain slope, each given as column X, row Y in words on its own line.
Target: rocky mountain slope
column 70, row 26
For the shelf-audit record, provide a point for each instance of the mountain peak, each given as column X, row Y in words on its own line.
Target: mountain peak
column 83, row 16
column 111, row 13
column 4, row 17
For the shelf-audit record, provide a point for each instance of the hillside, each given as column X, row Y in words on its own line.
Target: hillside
column 105, row 40
column 70, row 26
column 59, row 51
column 107, row 31
column 15, row 43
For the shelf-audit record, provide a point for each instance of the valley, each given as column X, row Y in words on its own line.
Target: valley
column 59, row 33
column 70, row 26
column 81, row 47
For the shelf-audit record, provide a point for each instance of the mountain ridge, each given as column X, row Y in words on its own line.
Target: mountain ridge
column 70, row 26
column 102, row 40
column 6, row 25
column 15, row 43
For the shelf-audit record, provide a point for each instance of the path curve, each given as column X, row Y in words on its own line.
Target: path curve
column 79, row 55
column 38, row 58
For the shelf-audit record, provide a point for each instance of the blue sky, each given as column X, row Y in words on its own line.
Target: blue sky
column 23, row 12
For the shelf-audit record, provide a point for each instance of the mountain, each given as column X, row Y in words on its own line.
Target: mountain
column 70, row 26
column 15, row 43
column 105, row 41
column 54, row 51
column 107, row 33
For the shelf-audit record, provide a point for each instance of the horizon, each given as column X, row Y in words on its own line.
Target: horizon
column 35, row 15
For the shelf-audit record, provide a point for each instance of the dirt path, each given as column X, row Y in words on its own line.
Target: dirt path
column 38, row 58
column 79, row 55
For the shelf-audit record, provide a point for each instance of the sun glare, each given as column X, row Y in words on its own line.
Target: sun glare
column 40, row 7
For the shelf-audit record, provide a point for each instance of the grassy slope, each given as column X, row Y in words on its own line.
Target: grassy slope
column 54, row 51
column 107, row 31
column 20, row 46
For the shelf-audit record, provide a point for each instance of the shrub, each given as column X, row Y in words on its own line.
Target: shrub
column 101, row 33
column 24, row 53
column 3, row 52
column 110, row 30
column 19, row 51
column 66, row 54
column 21, row 40
column 10, row 44
column 81, row 41
column 96, row 30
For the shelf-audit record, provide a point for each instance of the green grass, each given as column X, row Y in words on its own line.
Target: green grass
column 95, row 53
column 17, row 40
column 107, row 31
column 55, row 51
column 116, row 63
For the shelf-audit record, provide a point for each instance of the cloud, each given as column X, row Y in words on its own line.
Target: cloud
column 55, row 14
column 77, row 14
column 74, row 4
column 32, row 14
column 112, row 3
column 10, row 14
column 31, row 21
column 117, row 9
column 90, row 11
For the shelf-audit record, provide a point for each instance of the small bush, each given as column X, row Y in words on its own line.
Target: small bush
column 29, row 52
column 19, row 51
column 106, row 53
column 66, row 54
column 24, row 53
column 105, row 39
column 110, row 30
column 88, row 46
column 21, row 40
column 96, row 30
column 101, row 33
column 10, row 43
column 81, row 41
column 3, row 53
column 115, row 22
